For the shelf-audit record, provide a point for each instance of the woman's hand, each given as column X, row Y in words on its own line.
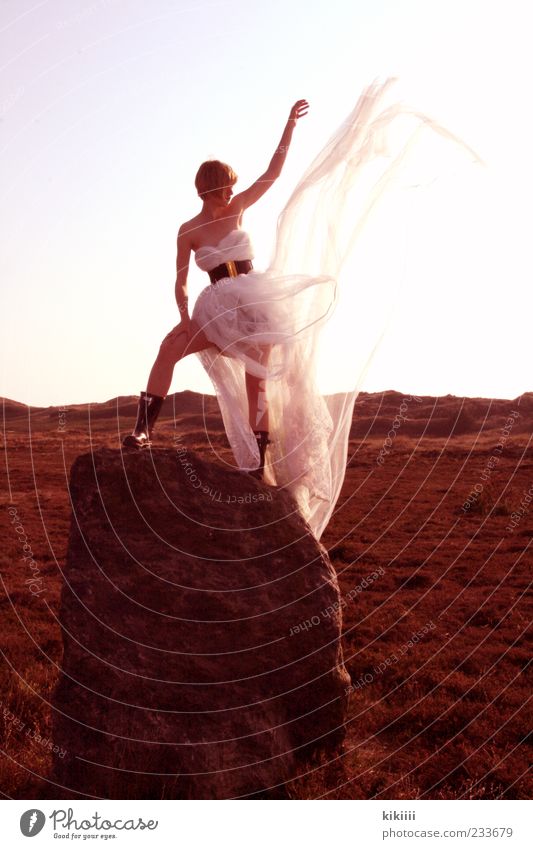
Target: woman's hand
column 185, row 324
column 299, row 109
column 183, row 327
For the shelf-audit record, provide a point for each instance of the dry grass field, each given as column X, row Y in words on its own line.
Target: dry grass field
column 432, row 543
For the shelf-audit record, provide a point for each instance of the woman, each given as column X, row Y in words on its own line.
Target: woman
column 259, row 334
column 220, row 217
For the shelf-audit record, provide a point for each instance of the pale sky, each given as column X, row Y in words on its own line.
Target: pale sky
column 107, row 108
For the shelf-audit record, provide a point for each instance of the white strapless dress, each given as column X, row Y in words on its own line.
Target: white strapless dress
column 242, row 316
column 290, row 304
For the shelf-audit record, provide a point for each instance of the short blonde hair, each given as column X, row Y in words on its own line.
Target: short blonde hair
column 212, row 176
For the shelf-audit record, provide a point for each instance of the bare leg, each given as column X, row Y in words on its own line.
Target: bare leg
column 257, row 398
column 258, row 412
column 179, row 343
column 257, row 404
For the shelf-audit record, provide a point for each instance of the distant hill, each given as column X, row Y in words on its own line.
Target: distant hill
column 435, row 416
column 178, row 402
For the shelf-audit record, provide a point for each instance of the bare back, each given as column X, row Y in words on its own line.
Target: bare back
column 203, row 232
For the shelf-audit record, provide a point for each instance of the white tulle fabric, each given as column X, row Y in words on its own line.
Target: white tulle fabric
column 284, row 309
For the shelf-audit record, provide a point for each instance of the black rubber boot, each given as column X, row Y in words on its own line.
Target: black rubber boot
column 262, row 442
column 147, row 412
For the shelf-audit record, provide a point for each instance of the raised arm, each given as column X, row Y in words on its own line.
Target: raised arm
column 264, row 182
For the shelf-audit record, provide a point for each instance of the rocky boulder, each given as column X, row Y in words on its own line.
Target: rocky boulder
column 201, row 628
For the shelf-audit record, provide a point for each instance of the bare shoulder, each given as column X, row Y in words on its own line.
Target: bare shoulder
column 236, row 207
column 186, row 233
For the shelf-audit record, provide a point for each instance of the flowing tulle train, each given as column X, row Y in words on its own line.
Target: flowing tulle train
column 286, row 309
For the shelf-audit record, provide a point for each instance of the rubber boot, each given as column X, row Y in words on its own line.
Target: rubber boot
column 147, row 412
column 262, row 442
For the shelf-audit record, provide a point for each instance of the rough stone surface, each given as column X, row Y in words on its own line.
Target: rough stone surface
column 201, row 629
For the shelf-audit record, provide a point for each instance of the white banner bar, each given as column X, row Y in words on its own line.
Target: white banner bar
column 266, row 824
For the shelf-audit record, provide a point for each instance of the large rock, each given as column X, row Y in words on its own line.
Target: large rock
column 201, row 629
